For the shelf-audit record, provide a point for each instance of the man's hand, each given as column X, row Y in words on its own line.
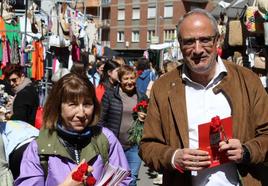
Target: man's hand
column 192, row 159
column 233, row 148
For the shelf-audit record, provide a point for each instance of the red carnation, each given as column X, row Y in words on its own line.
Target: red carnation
column 135, row 109
column 77, row 176
column 144, row 104
column 83, row 168
column 215, row 124
column 90, row 180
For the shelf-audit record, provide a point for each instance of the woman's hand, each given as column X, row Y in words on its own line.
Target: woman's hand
column 69, row 180
column 142, row 116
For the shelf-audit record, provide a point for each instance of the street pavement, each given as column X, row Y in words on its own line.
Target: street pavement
column 145, row 178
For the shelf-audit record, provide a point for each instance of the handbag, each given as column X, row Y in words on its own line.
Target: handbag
column 235, row 36
column 263, row 7
column 259, row 62
column 253, row 19
column 58, row 41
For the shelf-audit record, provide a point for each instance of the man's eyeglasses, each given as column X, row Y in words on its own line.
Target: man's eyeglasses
column 205, row 41
column 13, row 80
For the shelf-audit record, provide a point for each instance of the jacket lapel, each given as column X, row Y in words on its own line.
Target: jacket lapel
column 177, row 104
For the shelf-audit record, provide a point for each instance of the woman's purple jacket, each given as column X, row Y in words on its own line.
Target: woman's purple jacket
column 31, row 172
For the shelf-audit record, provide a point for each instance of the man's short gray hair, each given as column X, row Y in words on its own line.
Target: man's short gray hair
column 214, row 22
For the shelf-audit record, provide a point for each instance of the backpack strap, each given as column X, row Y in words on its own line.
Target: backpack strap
column 44, row 164
column 101, row 145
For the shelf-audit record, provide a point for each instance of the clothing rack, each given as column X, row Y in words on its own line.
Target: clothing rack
column 20, row 33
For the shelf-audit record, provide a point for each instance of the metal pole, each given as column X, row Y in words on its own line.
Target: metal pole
column 25, row 24
column 156, row 19
column 2, row 8
column 100, row 28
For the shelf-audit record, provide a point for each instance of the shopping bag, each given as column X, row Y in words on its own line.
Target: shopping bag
column 259, row 62
column 39, row 117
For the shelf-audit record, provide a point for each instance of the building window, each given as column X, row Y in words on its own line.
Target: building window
column 120, row 36
column 136, row 13
column 150, row 34
column 135, row 36
column 169, row 35
column 121, row 15
column 168, row 11
column 151, row 12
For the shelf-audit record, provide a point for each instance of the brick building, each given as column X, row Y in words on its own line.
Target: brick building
column 130, row 26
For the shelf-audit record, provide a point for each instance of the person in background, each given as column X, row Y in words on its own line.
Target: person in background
column 26, row 100
column 120, row 60
column 6, row 177
column 109, row 78
column 59, row 74
column 16, row 137
column 79, row 69
column 91, row 64
column 145, row 75
column 203, row 87
column 70, row 136
column 169, row 65
column 95, row 78
column 117, row 107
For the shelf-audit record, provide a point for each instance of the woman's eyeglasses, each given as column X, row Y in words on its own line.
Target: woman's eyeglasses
column 205, row 41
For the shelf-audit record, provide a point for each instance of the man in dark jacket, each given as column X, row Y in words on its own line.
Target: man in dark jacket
column 26, row 101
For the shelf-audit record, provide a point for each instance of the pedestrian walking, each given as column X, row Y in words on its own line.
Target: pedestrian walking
column 117, row 108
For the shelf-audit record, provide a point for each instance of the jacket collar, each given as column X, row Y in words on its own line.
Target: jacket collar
column 49, row 144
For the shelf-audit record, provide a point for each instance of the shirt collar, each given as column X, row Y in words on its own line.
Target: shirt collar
column 219, row 73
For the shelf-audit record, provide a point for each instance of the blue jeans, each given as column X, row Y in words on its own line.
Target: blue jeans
column 134, row 163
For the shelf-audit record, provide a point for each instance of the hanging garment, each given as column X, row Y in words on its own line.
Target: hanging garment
column 55, row 65
column 38, row 61
column 14, row 33
column 6, row 54
column 1, row 50
column 30, row 35
column 75, row 52
column 2, row 27
column 15, row 52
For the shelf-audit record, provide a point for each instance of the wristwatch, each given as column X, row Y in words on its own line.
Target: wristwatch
column 246, row 155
